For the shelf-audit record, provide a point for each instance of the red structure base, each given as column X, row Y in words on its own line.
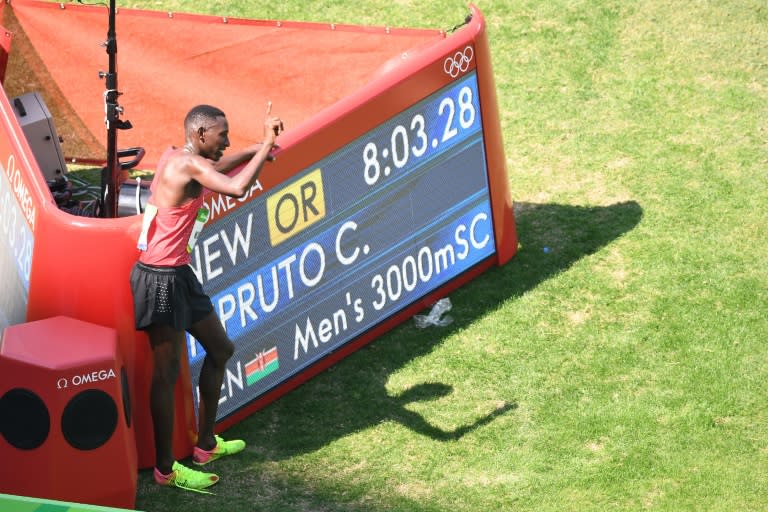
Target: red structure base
column 65, row 414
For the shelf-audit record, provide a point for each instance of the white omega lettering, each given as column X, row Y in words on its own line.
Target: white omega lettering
column 251, row 192
column 23, row 197
column 87, row 378
column 220, row 204
column 459, row 62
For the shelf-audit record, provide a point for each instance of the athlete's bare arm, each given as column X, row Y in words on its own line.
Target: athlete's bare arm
column 238, row 185
column 229, row 162
column 199, row 164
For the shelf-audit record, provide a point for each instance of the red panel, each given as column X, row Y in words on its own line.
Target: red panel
column 165, row 68
column 503, row 216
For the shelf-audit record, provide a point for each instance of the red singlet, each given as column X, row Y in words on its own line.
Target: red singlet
column 169, row 234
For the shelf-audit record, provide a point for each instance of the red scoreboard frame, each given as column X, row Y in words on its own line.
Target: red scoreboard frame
column 79, row 267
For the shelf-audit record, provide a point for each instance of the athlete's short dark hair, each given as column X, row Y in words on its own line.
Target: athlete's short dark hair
column 201, row 116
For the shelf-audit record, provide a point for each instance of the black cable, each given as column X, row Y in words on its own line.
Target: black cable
column 92, row 3
column 456, row 27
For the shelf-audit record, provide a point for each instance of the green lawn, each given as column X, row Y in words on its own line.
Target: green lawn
column 618, row 362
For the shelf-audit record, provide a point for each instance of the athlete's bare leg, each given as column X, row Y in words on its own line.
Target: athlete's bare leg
column 166, row 346
column 218, row 349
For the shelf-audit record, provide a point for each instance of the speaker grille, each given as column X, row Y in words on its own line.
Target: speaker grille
column 89, row 419
column 24, row 419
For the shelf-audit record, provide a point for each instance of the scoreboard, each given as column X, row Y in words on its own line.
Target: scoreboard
column 349, row 241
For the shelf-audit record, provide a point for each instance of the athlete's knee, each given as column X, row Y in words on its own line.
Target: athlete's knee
column 228, row 350
column 222, row 352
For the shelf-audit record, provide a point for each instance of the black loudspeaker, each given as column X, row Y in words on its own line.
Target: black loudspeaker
column 65, row 414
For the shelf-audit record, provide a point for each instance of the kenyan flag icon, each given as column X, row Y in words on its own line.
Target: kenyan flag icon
column 262, row 365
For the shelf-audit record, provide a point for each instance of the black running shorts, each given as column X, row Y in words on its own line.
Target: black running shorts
column 167, row 295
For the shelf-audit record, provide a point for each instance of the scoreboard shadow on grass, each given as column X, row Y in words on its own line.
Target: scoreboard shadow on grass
column 352, row 396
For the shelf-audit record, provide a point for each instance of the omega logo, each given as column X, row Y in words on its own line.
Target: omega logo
column 86, row 378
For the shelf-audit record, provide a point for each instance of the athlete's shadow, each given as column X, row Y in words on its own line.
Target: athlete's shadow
column 352, row 395
column 433, row 391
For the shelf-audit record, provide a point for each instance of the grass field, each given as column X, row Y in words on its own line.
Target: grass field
column 619, row 361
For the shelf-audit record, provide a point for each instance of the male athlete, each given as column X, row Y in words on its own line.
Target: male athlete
column 168, row 298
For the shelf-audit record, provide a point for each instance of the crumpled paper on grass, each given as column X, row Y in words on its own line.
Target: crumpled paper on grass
column 435, row 316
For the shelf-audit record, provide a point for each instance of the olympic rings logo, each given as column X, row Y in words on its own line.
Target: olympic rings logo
column 458, row 63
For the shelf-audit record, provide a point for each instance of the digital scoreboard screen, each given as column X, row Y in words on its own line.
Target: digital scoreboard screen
column 16, row 245
column 299, row 271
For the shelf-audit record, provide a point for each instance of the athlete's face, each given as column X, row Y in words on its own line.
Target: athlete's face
column 215, row 139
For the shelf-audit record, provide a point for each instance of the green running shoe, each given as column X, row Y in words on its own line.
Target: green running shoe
column 187, row 479
column 222, row 448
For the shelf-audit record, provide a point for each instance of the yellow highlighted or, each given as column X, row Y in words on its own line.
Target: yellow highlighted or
column 295, row 207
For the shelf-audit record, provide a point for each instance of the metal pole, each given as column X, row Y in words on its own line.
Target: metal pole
column 110, row 174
